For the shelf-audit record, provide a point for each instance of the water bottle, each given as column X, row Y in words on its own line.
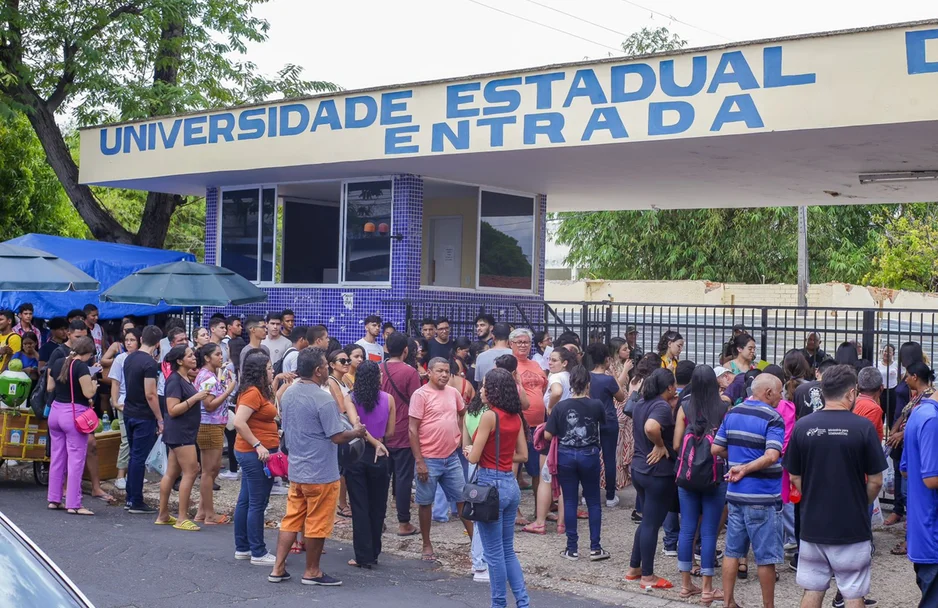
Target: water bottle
column 267, row 472
column 105, row 422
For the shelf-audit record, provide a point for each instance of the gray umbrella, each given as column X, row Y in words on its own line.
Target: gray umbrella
column 28, row 269
column 184, row 284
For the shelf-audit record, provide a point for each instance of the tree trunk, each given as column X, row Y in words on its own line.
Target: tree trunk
column 102, row 224
column 157, row 213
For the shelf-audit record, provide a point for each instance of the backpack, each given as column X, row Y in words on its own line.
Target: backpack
column 278, row 366
column 696, row 468
column 40, row 398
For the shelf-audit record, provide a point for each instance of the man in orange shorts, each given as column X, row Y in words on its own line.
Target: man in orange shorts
column 312, row 431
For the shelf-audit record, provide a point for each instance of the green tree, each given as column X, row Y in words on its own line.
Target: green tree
column 31, row 198
column 905, row 250
column 503, row 255
column 647, row 41
column 130, row 59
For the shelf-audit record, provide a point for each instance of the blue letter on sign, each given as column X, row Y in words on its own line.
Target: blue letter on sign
column 112, row 150
column 608, row 119
column 396, row 137
column 545, row 123
column 454, row 99
column 619, row 72
column 351, row 109
column 287, row 112
column 698, row 78
column 391, row 104
column 585, row 84
column 741, row 74
column 772, row 76
column 496, row 126
column 915, row 52
column 685, row 117
column 459, row 140
column 493, row 93
column 746, row 113
column 543, row 83
column 192, row 134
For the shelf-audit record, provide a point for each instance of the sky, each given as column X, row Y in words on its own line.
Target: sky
column 368, row 43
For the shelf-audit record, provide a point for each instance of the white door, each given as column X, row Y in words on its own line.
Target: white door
column 446, row 258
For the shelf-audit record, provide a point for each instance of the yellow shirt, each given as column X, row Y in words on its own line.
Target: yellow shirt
column 12, row 340
column 669, row 363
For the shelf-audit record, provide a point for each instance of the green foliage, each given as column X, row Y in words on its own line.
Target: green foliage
column 31, row 198
column 186, row 228
column 905, row 256
column 646, row 41
column 502, row 255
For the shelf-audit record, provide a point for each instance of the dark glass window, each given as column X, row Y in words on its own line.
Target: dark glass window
column 506, row 241
column 368, row 232
column 239, row 232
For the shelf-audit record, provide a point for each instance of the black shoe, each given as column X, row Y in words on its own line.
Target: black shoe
column 598, row 555
column 323, row 581
column 839, row 601
column 273, row 578
column 142, row 509
column 176, row 486
column 793, row 564
column 216, row 487
column 570, row 555
column 636, row 516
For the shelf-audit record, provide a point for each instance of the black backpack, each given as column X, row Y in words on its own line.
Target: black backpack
column 278, row 366
column 40, row 398
column 696, row 467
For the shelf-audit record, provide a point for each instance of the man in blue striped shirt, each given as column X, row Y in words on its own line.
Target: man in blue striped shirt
column 750, row 439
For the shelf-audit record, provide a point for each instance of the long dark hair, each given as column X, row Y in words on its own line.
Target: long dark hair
column 705, row 408
column 846, row 354
column 796, row 367
column 411, row 359
column 175, row 354
column 740, row 343
column 657, row 383
column 202, row 355
column 579, row 380
column 909, row 353
column 566, row 356
column 367, row 385
column 254, row 373
column 501, row 391
column 666, row 339
column 83, row 346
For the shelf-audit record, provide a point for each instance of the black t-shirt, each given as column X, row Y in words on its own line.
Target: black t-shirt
column 655, row 409
column 63, row 390
column 576, row 422
column 138, row 366
column 815, row 359
column 182, row 429
column 441, row 350
column 59, row 352
column 833, row 451
column 808, row 399
column 46, row 350
column 604, row 388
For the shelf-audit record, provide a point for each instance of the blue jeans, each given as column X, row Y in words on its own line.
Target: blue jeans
column 446, row 473
column 478, row 553
column 788, row 522
column 498, row 541
column 759, row 526
column 576, row 467
column 672, row 530
column 926, row 577
column 141, row 436
column 442, row 507
column 249, row 512
column 707, row 507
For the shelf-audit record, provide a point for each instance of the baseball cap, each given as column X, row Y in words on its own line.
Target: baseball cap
column 739, row 327
column 631, row 329
column 719, row 370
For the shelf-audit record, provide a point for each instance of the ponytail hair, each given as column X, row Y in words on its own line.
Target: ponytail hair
column 657, row 383
column 83, row 346
column 579, row 380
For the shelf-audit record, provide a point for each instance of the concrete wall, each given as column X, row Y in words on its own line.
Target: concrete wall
column 838, row 295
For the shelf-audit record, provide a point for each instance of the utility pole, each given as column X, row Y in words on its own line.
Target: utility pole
column 803, row 277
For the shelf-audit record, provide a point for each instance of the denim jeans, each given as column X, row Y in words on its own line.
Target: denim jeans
column 788, row 521
column 478, row 554
column 758, row 526
column 446, row 473
column 672, row 530
column 443, row 507
column 498, row 541
column 576, row 467
column 141, row 435
column 610, row 442
column 249, row 511
column 926, row 577
column 657, row 494
column 707, row 507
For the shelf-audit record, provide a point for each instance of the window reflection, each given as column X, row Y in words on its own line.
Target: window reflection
column 506, row 241
column 368, row 232
column 239, row 223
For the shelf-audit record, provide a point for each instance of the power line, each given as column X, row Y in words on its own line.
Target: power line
column 557, row 10
column 675, row 19
column 550, row 27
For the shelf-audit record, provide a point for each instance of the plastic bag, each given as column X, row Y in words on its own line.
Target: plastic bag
column 877, row 518
column 889, row 477
column 156, row 461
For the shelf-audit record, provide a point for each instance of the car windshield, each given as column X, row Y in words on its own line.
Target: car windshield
column 25, row 578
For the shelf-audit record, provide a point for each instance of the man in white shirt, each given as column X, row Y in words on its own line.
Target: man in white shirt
column 94, row 330
column 276, row 343
column 369, row 342
column 299, row 342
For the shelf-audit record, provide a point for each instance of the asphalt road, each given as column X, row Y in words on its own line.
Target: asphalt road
column 121, row 561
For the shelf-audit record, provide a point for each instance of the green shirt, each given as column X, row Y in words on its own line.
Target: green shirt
column 472, row 422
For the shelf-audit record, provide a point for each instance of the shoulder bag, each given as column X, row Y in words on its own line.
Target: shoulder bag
column 87, row 421
column 481, row 502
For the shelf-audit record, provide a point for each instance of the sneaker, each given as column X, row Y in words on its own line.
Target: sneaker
column 719, row 555
column 480, row 576
column 121, row 484
column 789, row 547
column 282, row 578
column 598, row 555
column 143, row 509
column 570, row 555
column 669, row 552
column 269, row 559
column 242, row 555
column 216, row 487
column 793, row 564
column 279, row 491
column 636, row 516
column 324, row 581
column 229, row 475
column 613, row 503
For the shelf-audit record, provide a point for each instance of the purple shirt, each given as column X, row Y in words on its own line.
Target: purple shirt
column 220, row 414
column 375, row 421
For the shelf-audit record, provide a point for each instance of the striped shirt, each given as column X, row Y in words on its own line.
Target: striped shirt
column 748, row 430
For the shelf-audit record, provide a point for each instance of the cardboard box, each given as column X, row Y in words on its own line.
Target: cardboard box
column 23, row 436
column 109, row 443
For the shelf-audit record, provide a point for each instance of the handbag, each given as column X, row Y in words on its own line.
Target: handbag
column 481, row 502
column 87, row 421
column 278, row 464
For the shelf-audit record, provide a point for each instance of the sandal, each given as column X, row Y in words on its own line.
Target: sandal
column 169, row 522
column 104, row 498
column 899, row 549
column 687, row 593
column 696, row 572
column 582, row 514
column 707, row 597
column 561, row 528
column 220, row 520
column 658, row 584
column 297, row 547
column 80, row 511
column 742, row 571
column 56, row 506
column 534, row 528
column 345, row 512
column 187, row 525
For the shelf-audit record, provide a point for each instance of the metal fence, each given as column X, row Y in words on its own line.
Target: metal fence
column 705, row 328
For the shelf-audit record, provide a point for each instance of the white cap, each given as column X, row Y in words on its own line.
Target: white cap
column 719, row 370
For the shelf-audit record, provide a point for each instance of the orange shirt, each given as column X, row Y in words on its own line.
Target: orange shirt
column 262, row 422
column 534, row 383
column 869, row 409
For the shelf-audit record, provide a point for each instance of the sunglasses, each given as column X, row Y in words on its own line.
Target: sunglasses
column 343, row 361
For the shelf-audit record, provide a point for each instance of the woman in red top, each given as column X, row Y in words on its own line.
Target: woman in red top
column 500, row 393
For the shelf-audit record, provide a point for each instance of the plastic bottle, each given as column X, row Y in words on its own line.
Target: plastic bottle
column 105, row 422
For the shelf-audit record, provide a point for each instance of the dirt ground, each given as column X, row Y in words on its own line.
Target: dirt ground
column 893, row 578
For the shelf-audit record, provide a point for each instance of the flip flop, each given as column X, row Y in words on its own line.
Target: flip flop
column 107, row 498
column 899, row 549
column 561, row 528
column 658, row 584
column 707, row 597
column 633, row 578
column 413, row 532
column 186, row 525
column 742, row 572
column 534, row 529
column 346, row 513
column 81, row 511
column 428, row 557
column 297, row 548
column 56, row 506
column 686, row 593
column 169, row 522
column 220, row 521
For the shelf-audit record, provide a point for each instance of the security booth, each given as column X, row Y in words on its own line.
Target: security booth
column 431, row 199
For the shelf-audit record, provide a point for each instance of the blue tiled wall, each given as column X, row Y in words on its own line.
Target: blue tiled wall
column 331, row 306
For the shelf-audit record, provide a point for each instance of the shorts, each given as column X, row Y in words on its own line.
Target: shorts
column 759, row 526
column 173, row 446
column 848, row 564
column 533, row 465
column 211, row 437
column 311, row 509
column 445, row 472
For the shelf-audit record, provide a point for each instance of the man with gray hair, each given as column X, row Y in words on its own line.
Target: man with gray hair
column 435, row 431
column 870, row 384
column 534, row 382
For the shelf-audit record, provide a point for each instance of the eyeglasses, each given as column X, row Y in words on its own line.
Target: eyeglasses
column 446, row 328
column 343, row 361
column 520, row 343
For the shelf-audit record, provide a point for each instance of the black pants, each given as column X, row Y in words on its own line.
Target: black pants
column 888, row 403
column 402, row 465
column 367, row 483
column 657, row 495
column 609, row 441
column 232, row 462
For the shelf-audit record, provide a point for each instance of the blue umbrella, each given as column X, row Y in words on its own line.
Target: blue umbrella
column 184, row 284
column 28, row 269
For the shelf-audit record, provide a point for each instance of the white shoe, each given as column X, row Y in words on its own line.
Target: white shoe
column 613, row 503
column 229, row 475
column 791, row 547
column 121, row 484
column 480, row 576
column 242, row 555
column 669, row 553
column 265, row 560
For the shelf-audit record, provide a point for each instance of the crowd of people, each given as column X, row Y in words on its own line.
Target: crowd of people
column 788, row 458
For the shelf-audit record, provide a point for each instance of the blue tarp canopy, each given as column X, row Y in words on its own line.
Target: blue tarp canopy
column 106, row 262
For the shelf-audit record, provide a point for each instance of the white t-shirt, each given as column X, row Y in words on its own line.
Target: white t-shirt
column 544, row 359
column 289, row 361
column 890, row 374
column 97, row 335
column 373, row 351
column 116, row 373
column 563, row 379
column 276, row 347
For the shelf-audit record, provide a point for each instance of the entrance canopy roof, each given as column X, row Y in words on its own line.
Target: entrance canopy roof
column 774, row 122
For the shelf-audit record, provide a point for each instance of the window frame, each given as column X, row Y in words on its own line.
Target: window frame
column 260, row 226
column 535, row 252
